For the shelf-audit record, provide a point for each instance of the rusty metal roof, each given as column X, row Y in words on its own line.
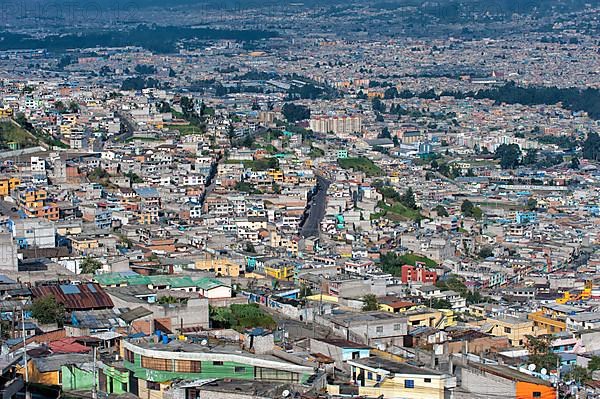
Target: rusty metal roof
column 76, row 297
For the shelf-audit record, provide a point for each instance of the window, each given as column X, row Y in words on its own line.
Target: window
column 217, row 363
column 427, row 380
column 378, row 377
column 187, row 366
column 507, row 330
column 239, row 369
column 409, row 383
column 379, row 329
column 537, row 394
column 157, row 364
column 397, row 327
column 129, row 356
column 155, row 386
column 370, row 375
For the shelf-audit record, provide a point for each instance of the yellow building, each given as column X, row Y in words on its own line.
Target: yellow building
column 145, row 218
column 280, row 272
column 220, row 266
column 84, row 244
column 276, row 175
column 50, row 377
column 546, row 323
column 6, row 112
column 424, row 317
column 383, row 377
column 515, row 329
column 7, row 184
column 395, row 305
column 552, row 318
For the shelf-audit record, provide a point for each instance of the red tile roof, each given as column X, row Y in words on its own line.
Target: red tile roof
column 68, row 345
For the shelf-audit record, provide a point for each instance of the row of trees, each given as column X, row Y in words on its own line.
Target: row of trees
column 573, row 99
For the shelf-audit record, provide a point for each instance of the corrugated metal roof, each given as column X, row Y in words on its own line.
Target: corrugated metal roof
column 82, row 297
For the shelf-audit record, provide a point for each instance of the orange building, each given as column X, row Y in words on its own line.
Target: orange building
column 527, row 390
column 7, row 184
column 34, row 202
column 483, row 380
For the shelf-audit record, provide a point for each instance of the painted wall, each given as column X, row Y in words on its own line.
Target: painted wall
column 527, row 390
column 119, row 380
column 74, row 378
column 48, row 378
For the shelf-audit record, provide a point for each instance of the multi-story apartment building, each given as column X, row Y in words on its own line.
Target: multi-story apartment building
column 34, row 203
column 346, row 124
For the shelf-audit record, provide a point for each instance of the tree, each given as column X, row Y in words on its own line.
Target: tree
column 134, row 177
column 89, row 265
column 594, row 363
column 47, row 310
column 370, row 303
column 408, row 199
column 540, row 353
column 469, row 210
column 486, row 252
column 295, row 113
column 578, row 374
column 441, row 211
column 378, row 105
column 530, row 157
column 509, row 155
column 574, row 163
column 441, row 304
column 385, row 133
column 591, row 147
column 240, row 317
column 531, row 204
column 167, row 300
column 60, row 106
column 73, row 107
column 250, row 248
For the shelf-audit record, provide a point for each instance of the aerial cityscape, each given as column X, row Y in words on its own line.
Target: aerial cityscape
column 376, row 199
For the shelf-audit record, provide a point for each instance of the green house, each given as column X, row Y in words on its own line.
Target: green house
column 77, row 377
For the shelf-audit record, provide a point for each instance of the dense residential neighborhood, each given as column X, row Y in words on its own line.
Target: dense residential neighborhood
column 301, row 209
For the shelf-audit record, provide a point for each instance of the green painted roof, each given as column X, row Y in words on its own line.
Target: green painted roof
column 172, row 281
column 208, row 283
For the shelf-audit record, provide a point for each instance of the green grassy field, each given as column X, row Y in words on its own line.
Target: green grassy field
column 186, row 130
column 397, row 212
column 10, row 132
column 361, row 164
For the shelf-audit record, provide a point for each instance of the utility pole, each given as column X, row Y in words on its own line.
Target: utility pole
column 94, row 388
column 557, row 376
column 24, row 352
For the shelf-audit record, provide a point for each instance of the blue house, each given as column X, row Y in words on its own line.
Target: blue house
column 525, row 217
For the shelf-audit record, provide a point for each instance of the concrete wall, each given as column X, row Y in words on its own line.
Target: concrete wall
column 485, row 385
column 8, row 253
column 195, row 313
